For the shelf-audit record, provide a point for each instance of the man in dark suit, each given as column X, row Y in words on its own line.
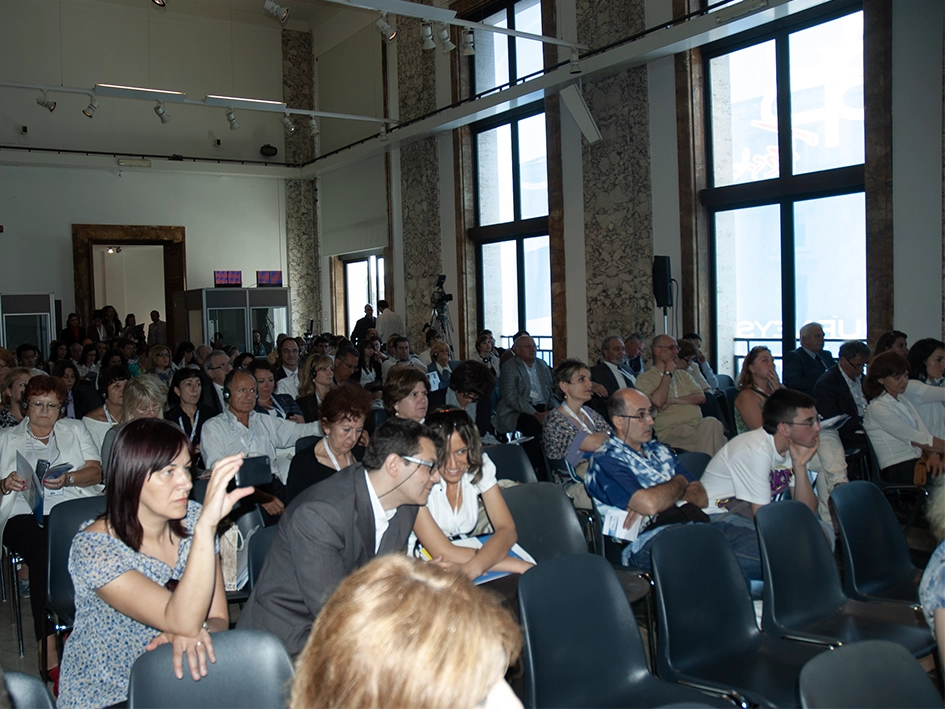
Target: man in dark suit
column 805, row 365
column 610, row 373
column 363, row 325
column 839, row 391
column 339, row 525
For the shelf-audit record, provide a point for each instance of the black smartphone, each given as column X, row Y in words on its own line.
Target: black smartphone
column 254, row 471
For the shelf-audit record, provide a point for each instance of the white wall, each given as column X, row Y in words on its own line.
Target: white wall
column 132, row 280
column 229, row 222
column 917, row 167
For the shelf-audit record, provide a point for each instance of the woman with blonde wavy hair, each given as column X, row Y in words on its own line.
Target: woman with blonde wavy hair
column 405, row 633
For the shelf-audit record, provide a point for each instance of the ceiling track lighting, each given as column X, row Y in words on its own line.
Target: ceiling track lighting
column 382, row 136
column 159, row 110
column 387, row 32
column 469, row 43
column 443, row 34
column 426, row 34
column 159, row 3
column 113, row 250
column 231, row 117
column 46, row 103
column 313, row 126
column 287, row 122
column 575, row 62
column 277, row 11
column 91, row 108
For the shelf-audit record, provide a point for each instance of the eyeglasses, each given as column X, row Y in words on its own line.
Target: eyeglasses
column 163, row 354
column 222, row 366
column 469, row 396
column 418, row 461
column 48, row 406
column 810, row 423
column 648, row 414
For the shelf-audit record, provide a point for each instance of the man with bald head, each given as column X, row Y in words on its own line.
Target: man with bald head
column 808, row 363
column 677, row 397
column 634, row 473
column 525, row 387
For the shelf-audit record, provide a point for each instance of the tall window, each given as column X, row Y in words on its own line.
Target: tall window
column 364, row 284
column 511, row 181
column 786, row 197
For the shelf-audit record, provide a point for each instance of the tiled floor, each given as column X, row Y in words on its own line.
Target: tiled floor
column 9, row 655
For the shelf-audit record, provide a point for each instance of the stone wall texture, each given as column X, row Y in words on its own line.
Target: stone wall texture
column 618, row 219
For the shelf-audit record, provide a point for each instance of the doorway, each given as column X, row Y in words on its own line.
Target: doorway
column 130, row 278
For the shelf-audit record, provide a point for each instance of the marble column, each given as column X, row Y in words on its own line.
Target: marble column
column 618, row 223
column 298, row 68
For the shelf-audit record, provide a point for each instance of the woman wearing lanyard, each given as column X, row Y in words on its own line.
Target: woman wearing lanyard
column 111, row 386
column 573, row 431
column 280, row 405
column 343, row 410
column 186, row 410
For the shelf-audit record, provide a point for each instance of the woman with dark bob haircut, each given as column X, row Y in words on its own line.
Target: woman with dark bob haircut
column 925, row 388
column 406, row 392
column 897, row 432
column 147, row 572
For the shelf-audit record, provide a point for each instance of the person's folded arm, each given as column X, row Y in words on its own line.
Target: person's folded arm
column 656, row 499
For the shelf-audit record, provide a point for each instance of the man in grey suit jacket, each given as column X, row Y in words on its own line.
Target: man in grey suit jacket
column 338, row 526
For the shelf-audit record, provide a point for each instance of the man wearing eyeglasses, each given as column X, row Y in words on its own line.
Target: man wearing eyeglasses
column 634, row 474
column 338, row 525
column 677, row 398
column 758, row 467
column 216, row 366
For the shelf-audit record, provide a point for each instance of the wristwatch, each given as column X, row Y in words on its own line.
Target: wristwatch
column 667, row 372
column 72, row 479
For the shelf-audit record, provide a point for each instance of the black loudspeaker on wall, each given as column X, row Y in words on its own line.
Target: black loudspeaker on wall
column 662, row 289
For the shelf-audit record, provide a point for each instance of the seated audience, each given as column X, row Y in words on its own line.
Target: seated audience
column 77, row 404
column 129, row 350
column 452, row 510
column 677, row 398
column 43, row 436
column 343, row 411
column 345, row 365
column 757, row 381
column 315, row 381
column 58, row 351
column 12, row 388
column 470, row 389
column 805, row 365
column 431, row 337
column 485, row 350
column 7, row 362
column 573, row 431
column 635, row 345
column 461, row 635
column 440, row 363
column 184, row 357
column 287, row 368
column 369, row 364
column 75, row 352
column 186, row 410
column 636, row 474
column 406, row 393
column 701, row 361
column 279, row 405
column 338, row 526
column 932, row 586
column 611, row 372
column 897, row 432
column 142, row 398
column 243, row 360
column 398, row 350
column 28, row 356
column 894, row 340
column 216, row 368
column 73, row 331
column 88, row 364
column 159, row 364
column 925, row 388
column 686, row 360
column 840, row 391
column 112, row 358
column 111, row 386
column 147, row 572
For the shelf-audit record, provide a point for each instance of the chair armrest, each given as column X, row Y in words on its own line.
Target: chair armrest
column 727, row 694
column 812, row 639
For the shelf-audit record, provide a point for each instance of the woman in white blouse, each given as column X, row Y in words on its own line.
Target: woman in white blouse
column 452, row 509
column 926, row 388
column 897, row 432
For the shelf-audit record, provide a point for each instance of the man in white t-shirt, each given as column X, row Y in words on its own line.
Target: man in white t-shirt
column 756, row 468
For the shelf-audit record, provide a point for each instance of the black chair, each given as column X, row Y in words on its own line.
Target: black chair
column 695, row 462
column 731, row 393
column 259, row 545
column 725, row 381
column 252, row 670
column 708, row 634
column 803, row 597
column 906, row 500
column 594, row 658
column 249, row 520
column 511, row 463
column 873, row 674
column 545, row 521
column 27, row 691
column 876, row 559
column 12, row 560
column 306, row 442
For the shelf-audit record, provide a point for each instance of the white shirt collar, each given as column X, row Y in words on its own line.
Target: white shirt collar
column 382, row 517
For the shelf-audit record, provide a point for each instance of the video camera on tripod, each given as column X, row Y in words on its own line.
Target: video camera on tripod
column 440, row 297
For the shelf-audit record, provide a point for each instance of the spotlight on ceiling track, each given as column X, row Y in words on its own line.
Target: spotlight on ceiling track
column 382, row 136
column 113, row 250
column 575, row 63
column 387, row 32
column 91, row 108
column 231, row 117
column 287, row 122
column 469, row 43
column 313, row 126
column 277, row 11
column 426, row 34
column 46, row 103
column 159, row 110
column 159, row 3
column 443, row 34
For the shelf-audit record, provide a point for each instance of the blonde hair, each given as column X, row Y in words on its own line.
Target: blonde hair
column 307, row 373
column 404, row 633
column 139, row 392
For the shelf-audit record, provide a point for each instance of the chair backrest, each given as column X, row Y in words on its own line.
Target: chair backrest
column 379, row 416
column 27, row 691
column 252, row 670
column 306, row 442
column 802, row 582
column 875, row 552
column 259, row 545
column 511, row 463
column 731, row 393
column 64, row 522
column 703, row 604
column 545, row 520
column 725, row 381
column 868, row 674
column 695, row 462
column 577, row 659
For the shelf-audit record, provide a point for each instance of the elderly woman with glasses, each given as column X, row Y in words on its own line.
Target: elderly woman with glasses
column 452, row 510
column 45, row 442
column 142, row 398
column 160, row 365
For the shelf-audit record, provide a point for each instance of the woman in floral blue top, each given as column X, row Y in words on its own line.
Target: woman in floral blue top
column 932, row 586
column 147, row 572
